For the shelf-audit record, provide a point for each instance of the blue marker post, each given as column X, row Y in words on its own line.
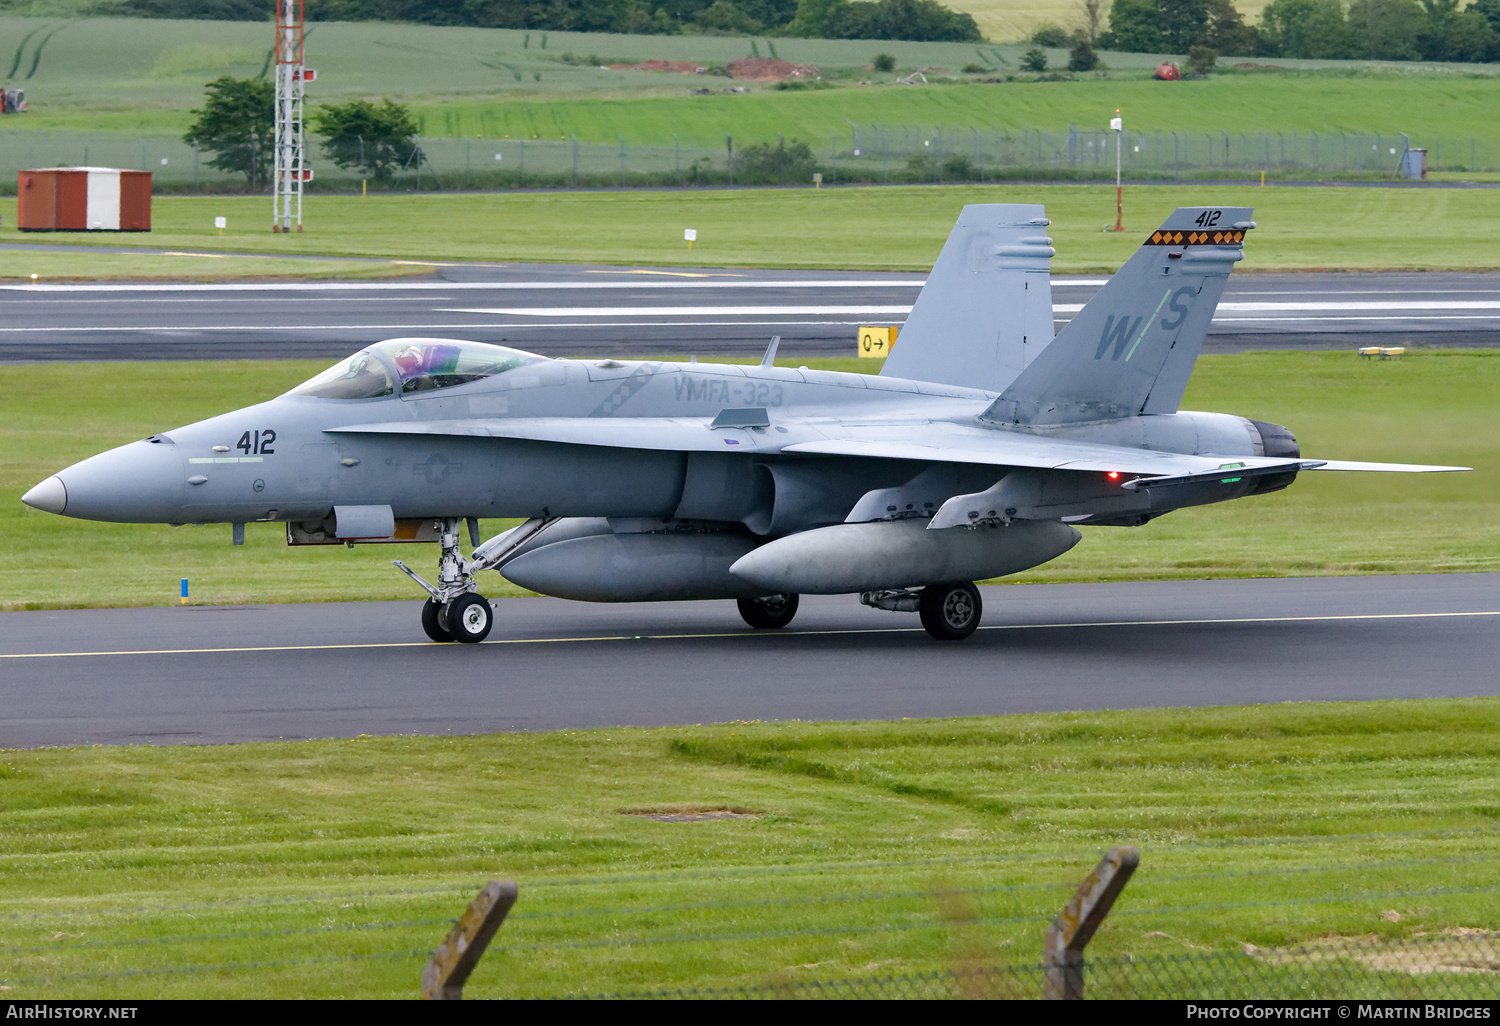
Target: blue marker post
column 184, row 591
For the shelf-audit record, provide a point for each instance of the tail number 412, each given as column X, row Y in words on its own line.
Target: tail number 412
column 1208, row 219
column 256, row 443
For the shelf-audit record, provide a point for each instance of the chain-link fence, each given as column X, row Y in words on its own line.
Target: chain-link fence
column 1456, row 966
column 861, row 154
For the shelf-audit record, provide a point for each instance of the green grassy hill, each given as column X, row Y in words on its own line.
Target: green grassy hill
column 144, row 77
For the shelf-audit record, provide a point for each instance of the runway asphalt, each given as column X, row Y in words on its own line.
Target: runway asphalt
column 204, row 675
column 568, row 310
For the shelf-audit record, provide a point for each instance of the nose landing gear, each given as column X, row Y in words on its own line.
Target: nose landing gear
column 454, row 611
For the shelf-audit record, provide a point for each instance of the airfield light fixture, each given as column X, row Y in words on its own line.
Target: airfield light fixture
column 1117, row 125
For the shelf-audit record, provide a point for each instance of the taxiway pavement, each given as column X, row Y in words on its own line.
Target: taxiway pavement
column 570, row 310
column 198, row 675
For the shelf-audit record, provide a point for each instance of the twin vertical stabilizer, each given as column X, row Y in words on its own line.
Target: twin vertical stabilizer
column 1131, row 349
column 986, row 310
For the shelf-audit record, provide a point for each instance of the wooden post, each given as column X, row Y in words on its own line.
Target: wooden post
column 1070, row 932
column 444, row 977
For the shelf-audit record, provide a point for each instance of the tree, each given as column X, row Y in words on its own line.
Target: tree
column 1053, row 35
column 922, row 20
column 1181, row 22
column 1091, row 13
column 1133, row 28
column 1490, row 9
column 1386, row 30
column 811, row 19
column 724, row 16
column 1082, row 57
column 358, row 134
column 1034, row 60
column 1306, row 28
column 237, row 123
column 1201, row 59
column 1227, row 32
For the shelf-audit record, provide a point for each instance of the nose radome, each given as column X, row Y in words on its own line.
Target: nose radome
column 138, row 483
column 50, row 496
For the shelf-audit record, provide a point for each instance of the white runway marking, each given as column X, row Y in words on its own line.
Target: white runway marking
column 410, row 327
column 674, row 311
column 753, row 634
column 397, row 285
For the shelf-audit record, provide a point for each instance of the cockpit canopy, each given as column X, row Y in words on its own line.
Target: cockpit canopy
column 416, row 365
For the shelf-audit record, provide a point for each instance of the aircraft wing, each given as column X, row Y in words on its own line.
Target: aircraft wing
column 939, row 442
column 955, row 443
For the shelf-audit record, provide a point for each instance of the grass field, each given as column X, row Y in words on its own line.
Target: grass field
column 198, row 265
column 893, row 228
column 332, row 868
column 1433, row 407
column 144, row 77
column 1450, row 108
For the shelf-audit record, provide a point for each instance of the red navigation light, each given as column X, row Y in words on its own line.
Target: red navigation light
column 1113, row 475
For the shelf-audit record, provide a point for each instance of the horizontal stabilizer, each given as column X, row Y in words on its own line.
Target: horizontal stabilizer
column 1388, row 468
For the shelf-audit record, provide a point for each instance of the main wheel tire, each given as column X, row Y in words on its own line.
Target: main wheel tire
column 469, row 618
column 951, row 612
column 431, row 624
column 770, row 612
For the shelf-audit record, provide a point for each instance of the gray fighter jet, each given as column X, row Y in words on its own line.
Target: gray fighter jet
column 972, row 455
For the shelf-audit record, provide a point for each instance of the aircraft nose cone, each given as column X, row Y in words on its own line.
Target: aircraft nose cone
column 50, row 496
column 139, row 483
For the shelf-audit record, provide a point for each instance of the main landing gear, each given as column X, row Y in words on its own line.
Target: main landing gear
column 950, row 612
column 770, row 612
column 454, row 610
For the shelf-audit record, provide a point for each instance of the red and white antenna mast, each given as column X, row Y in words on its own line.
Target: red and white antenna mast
column 290, row 171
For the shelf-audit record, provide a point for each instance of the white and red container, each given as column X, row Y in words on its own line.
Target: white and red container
column 83, row 199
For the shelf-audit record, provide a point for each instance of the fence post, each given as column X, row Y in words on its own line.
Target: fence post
column 833, row 146
column 729, row 148
column 444, row 976
column 622, row 158
column 1074, row 927
column 468, row 167
column 523, row 163
column 677, row 158
column 575, row 159
column 195, row 165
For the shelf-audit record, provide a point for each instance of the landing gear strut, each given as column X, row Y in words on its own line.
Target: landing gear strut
column 454, row 611
column 769, row 612
column 950, row 612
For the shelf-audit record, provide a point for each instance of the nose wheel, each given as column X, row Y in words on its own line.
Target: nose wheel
column 431, row 624
column 466, row 619
column 950, row 612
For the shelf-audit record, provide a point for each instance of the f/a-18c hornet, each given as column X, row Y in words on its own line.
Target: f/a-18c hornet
column 973, row 454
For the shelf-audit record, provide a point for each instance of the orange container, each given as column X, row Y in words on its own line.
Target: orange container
column 83, row 199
